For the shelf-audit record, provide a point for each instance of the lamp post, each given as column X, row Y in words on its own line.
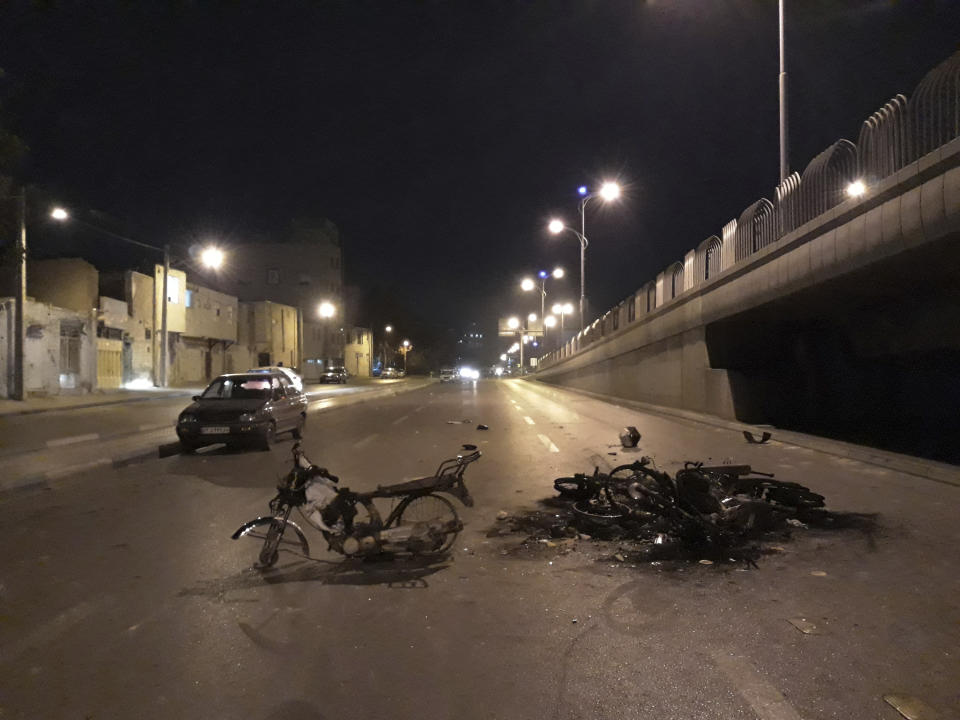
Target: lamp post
column 405, row 347
column 561, row 309
column 211, row 257
column 608, row 192
column 528, row 284
column 784, row 151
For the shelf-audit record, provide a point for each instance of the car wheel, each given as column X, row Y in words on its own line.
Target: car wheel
column 297, row 432
column 268, row 437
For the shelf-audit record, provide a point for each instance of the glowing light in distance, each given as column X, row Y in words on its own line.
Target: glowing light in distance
column 558, row 273
column 513, row 323
column 58, row 213
column 212, row 257
column 556, row 309
column 498, row 371
column 532, row 317
column 567, row 308
column 406, row 344
column 555, row 226
column 543, row 273
column 326, row 309
column 389, row 328
column 550, row 321
column 582, row 190
column 503, row 357
column 469, row 373
column 527, row 285
column 610, row 191
column 856, row 188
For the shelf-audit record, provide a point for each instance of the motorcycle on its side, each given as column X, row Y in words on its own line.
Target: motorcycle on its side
column 423, row 522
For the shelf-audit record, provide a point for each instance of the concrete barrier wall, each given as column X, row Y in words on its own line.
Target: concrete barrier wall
column 661, row 357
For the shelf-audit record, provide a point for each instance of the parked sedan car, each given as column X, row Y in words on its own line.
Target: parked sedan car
column 291, row 375
column 334, row 374
column 243, row 409
column 389, row 373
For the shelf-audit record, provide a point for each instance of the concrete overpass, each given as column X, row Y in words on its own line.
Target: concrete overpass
column 816, row 311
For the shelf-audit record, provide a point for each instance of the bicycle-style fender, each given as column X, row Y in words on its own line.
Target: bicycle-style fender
column 267, row 520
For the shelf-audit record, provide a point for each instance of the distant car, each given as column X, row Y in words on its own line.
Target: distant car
column 243, row 409
column 291, row 375
column 334, row 375
column 448, row 374
column 390, row 373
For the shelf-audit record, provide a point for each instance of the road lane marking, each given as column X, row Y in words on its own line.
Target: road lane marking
column 518, row 408
column 529, row 420
column 62, row 472
column 367, row 439
column 399, row 419
column 767, row 702
column 154, row 426
column 418, row 409
column 73, row 439
column 52, row 629
column 548, row 444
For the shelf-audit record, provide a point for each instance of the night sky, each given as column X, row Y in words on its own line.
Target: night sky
column 441, row 136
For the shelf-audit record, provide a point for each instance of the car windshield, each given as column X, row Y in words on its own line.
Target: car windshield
column 238, row 388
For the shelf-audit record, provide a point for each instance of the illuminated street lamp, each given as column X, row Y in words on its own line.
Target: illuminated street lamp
column 609, row 192
column 58, row 213
column 405, row 347
column 388, row 328
column 528, row 284
column 326, row 309
column 856, row 189
column 561, row 309
column 212, row 257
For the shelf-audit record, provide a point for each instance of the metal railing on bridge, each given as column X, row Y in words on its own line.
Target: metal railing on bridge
column 899, row 133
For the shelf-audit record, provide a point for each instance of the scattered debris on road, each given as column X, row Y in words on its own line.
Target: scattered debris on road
column 481, row 426
column 629, row 437
column 752, row 439
column 458, row 422
column 700, row 514
column 804, row 626
column 911, row 708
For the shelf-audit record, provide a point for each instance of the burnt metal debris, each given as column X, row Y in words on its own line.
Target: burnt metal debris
column 629, row 437
column 752, row 439
column 713, row 511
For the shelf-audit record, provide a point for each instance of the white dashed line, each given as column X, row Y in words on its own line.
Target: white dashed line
column 767, row 702
column 399, row 419
column 80, row 467
column 418, row 409
column 154, row 426
column 529, row 420
column 548, row 444
column 72, row 440
column 367, row 439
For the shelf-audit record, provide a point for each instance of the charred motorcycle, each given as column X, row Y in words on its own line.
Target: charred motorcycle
column 422, row 522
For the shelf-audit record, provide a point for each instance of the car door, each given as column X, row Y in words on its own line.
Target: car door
column 291, row 403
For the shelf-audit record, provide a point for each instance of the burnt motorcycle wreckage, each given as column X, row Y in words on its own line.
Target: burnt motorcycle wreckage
column 699, row 506
column 423, row 522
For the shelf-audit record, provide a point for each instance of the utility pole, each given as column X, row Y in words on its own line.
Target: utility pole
column 784, row 153
column 19, row 363
column 163, row 315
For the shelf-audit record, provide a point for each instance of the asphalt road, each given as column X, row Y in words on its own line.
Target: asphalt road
column 123, row 596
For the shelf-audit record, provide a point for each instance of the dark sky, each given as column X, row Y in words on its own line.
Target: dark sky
column 441, row 136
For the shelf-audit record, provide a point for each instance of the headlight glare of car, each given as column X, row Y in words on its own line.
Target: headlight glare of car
column 248, row 417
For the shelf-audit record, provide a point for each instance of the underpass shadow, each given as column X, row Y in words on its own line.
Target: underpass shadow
column 400, row 574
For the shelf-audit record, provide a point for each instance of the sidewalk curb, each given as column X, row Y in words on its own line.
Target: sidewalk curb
column 928, row 469
column 99, row 403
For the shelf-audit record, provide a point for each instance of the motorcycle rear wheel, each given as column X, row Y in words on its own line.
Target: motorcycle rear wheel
column 433, row 510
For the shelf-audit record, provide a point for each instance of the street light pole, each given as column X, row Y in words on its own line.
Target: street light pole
column 163, row 315
column 19, row 390
column 784, row 155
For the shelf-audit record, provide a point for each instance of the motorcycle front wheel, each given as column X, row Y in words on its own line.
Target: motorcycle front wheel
column 434, row 511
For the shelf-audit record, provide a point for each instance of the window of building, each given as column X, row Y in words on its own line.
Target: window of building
column 273, row 276
column 146, row 333
column 69, row 348
column 188, row 301
column 218, row 310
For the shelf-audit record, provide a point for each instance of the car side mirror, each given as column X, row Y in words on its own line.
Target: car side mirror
column 196, row 397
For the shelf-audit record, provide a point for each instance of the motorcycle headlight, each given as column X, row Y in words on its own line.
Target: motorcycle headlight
column 187, row 418
column 248, row 417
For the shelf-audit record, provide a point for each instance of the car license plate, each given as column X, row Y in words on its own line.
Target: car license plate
column 216, row 430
